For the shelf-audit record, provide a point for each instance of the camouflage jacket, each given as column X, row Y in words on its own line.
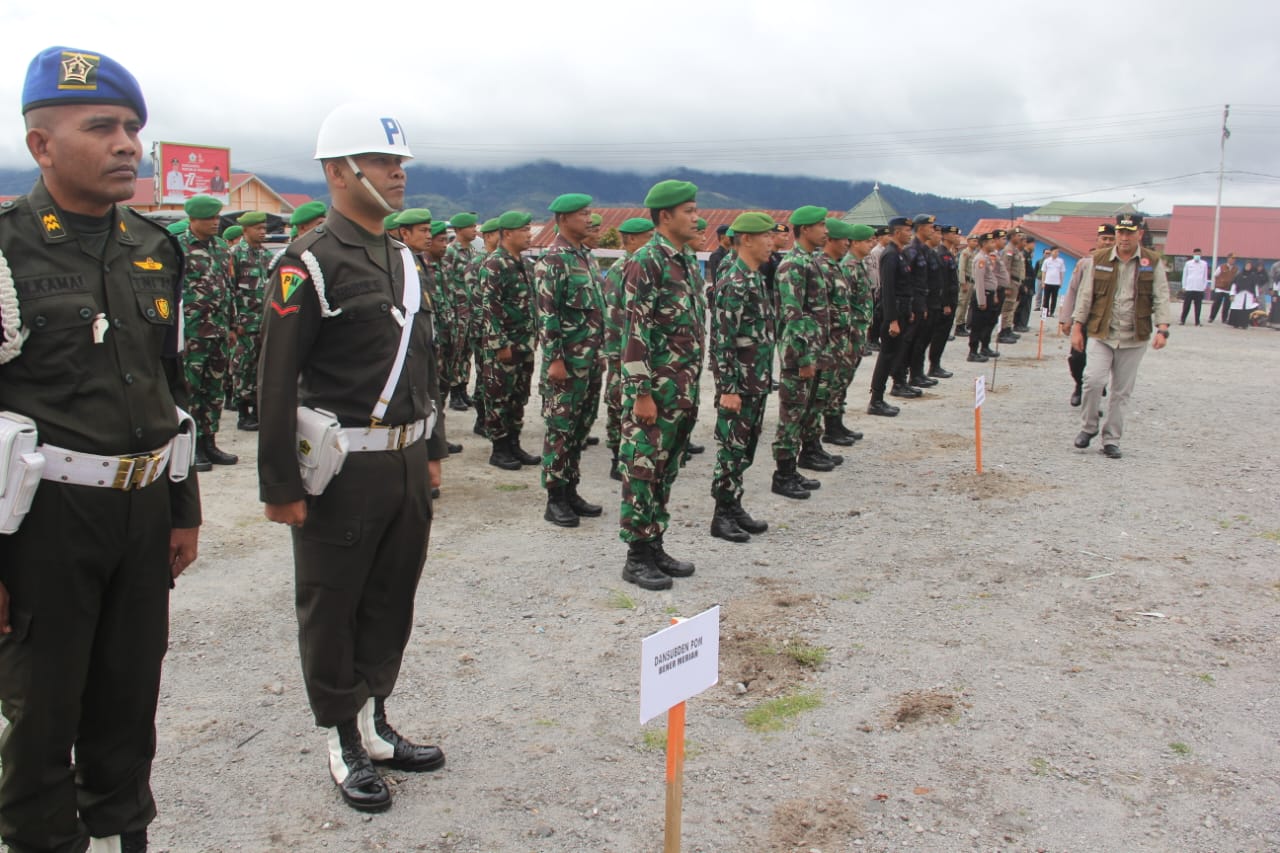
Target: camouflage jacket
column 570, row 305
column 252, row 268
column 839, row 297
column 468, row 310
column 435, row 284
column 207, row 300
column 663, row 329
column 743, row 324
column 457, row 263
column 507, row 301
column 614, row 312
column 804, row 319
column 861, row 302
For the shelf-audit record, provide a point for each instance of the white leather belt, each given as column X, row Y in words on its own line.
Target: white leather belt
column 135, row 471
column 384, row 438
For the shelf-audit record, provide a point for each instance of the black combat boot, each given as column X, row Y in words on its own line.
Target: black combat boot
column 501, row 456
column 816, row 447
column 1077, row 394
column 580, row 506
column 466, row 398
column 640, row 569
column 201, row 465
column 668, row 564
column 694, row 449
column 808, row 483
column 478, row 429
column 559, row 512
column 902, row 389
column 724, row 524
column 456, row 402
column 920, row 381
column 975, row 356
column 786, row 483
column 248, row 417
column 879, row 407
column 352, row 771
column 835, row 433
column 615, row 467
column 937, row 371
column 388, row 748
column 453, row 448
column 216, row 456
column 745, row 521
column 813, row 460
column 989, row 352
column 520, row 453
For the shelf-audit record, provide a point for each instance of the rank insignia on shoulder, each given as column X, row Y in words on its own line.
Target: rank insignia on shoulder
column 150, row 264
column 291, row 278
column 284, row 311
column 52, row 224
column 162, row 307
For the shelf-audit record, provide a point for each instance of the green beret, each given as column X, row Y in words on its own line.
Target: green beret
column 570, row 203
column 862, row 232
column 202, row 207
column 462, row 220
column 512, row 220
column 389, row 221
column 665, row 194
column 438, row 228
column 252, row 217
column 413, row 216
column 729, row 232
column 636, row 225
column 293, row 232
column 232, row 232
column 597, row 220
column 808, row 215
column 752, row 222
column 838, row 229
column 307, row 212
column 176, row 227
column 489, row 226
column 702, row 224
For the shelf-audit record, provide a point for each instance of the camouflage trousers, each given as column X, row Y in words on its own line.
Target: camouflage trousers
column 245, row 366
column 205, row 365
column 457, row 356
column 569, row 409
column 737, row 434
column 506, row 391
column 798, row 411
column 840, row 377
column 649, row 457
column 613, row 406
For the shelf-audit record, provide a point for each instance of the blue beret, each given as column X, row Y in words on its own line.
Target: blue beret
column 61, row 75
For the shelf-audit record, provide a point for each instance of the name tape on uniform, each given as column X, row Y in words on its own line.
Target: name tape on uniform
column 679, row 662
column 979, row 391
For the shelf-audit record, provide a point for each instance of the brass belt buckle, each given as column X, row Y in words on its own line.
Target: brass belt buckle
column 124, row 473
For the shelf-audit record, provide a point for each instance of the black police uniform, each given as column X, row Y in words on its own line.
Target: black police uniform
column 915, row 259
column 943, row 320
column 88, row 572
column 895, row 305
column 935, row 283
column 358, row 557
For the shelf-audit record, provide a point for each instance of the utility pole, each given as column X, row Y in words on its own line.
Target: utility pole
column 1217, row 210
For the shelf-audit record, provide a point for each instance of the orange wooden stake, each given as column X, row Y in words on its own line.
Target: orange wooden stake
column 1040, row 342
column 675, row 778
column 977, row 432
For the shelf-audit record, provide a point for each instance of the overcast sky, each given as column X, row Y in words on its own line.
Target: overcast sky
column 1077, row 100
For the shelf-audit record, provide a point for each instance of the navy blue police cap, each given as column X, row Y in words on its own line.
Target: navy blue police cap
column 62, row 75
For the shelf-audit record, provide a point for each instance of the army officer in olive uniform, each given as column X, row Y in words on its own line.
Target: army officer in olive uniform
column 337, row 306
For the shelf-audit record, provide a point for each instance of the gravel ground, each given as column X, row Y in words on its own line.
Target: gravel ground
column 1065, row 653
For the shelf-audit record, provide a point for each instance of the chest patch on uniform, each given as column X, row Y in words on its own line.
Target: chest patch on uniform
column 1105, row 269
column 348, row 289
column 49, row 284
column 163, row 308
column 150, row 264
column 291, row 278
column 161, row 283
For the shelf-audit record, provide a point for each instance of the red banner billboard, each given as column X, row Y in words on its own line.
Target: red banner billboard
column 183, row 171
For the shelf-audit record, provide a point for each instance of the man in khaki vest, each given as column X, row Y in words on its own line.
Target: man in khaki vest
column 1123, row 300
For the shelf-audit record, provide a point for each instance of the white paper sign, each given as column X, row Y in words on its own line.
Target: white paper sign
column 979, row 392
column 679, row 662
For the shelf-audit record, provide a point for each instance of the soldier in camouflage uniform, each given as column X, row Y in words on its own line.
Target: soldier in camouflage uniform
column 458, row 260
column 570, row 320
column 742, row 344
column 251, row 263
column 661, row 364
column 507, row 367
column 635, row 233
column 804, row 324
column 833, row 382
column 207, row 315
column 861, row 239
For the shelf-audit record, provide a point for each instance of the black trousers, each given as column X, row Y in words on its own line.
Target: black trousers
column 1022, row 315
column 890, row 346
column 938, row 342
column 920, row 346
column 1049, row 299
column 88, row 579
column 906, row 348
column 1189, row 298
column 983, row 323
column 357, row 561
column 1221, row 300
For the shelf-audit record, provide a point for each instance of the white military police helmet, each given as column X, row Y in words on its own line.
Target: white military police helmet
column 353, row 129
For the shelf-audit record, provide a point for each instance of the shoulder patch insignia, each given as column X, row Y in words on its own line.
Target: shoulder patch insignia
column 162, row 307
column 291, row 278
column 150, row 264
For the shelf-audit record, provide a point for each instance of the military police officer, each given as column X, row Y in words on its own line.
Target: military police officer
column 343, row 334
column 90, row 359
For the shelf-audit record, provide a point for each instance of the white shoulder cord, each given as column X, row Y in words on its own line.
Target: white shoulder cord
column 317, row 281
column 412, row 297
column 12, row 334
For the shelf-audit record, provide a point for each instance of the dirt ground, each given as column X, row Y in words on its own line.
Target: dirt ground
column 1067, row 653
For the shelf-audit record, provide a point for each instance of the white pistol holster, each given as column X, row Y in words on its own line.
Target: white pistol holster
column 183, row 454
column 322, row 448
column 20, row 469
